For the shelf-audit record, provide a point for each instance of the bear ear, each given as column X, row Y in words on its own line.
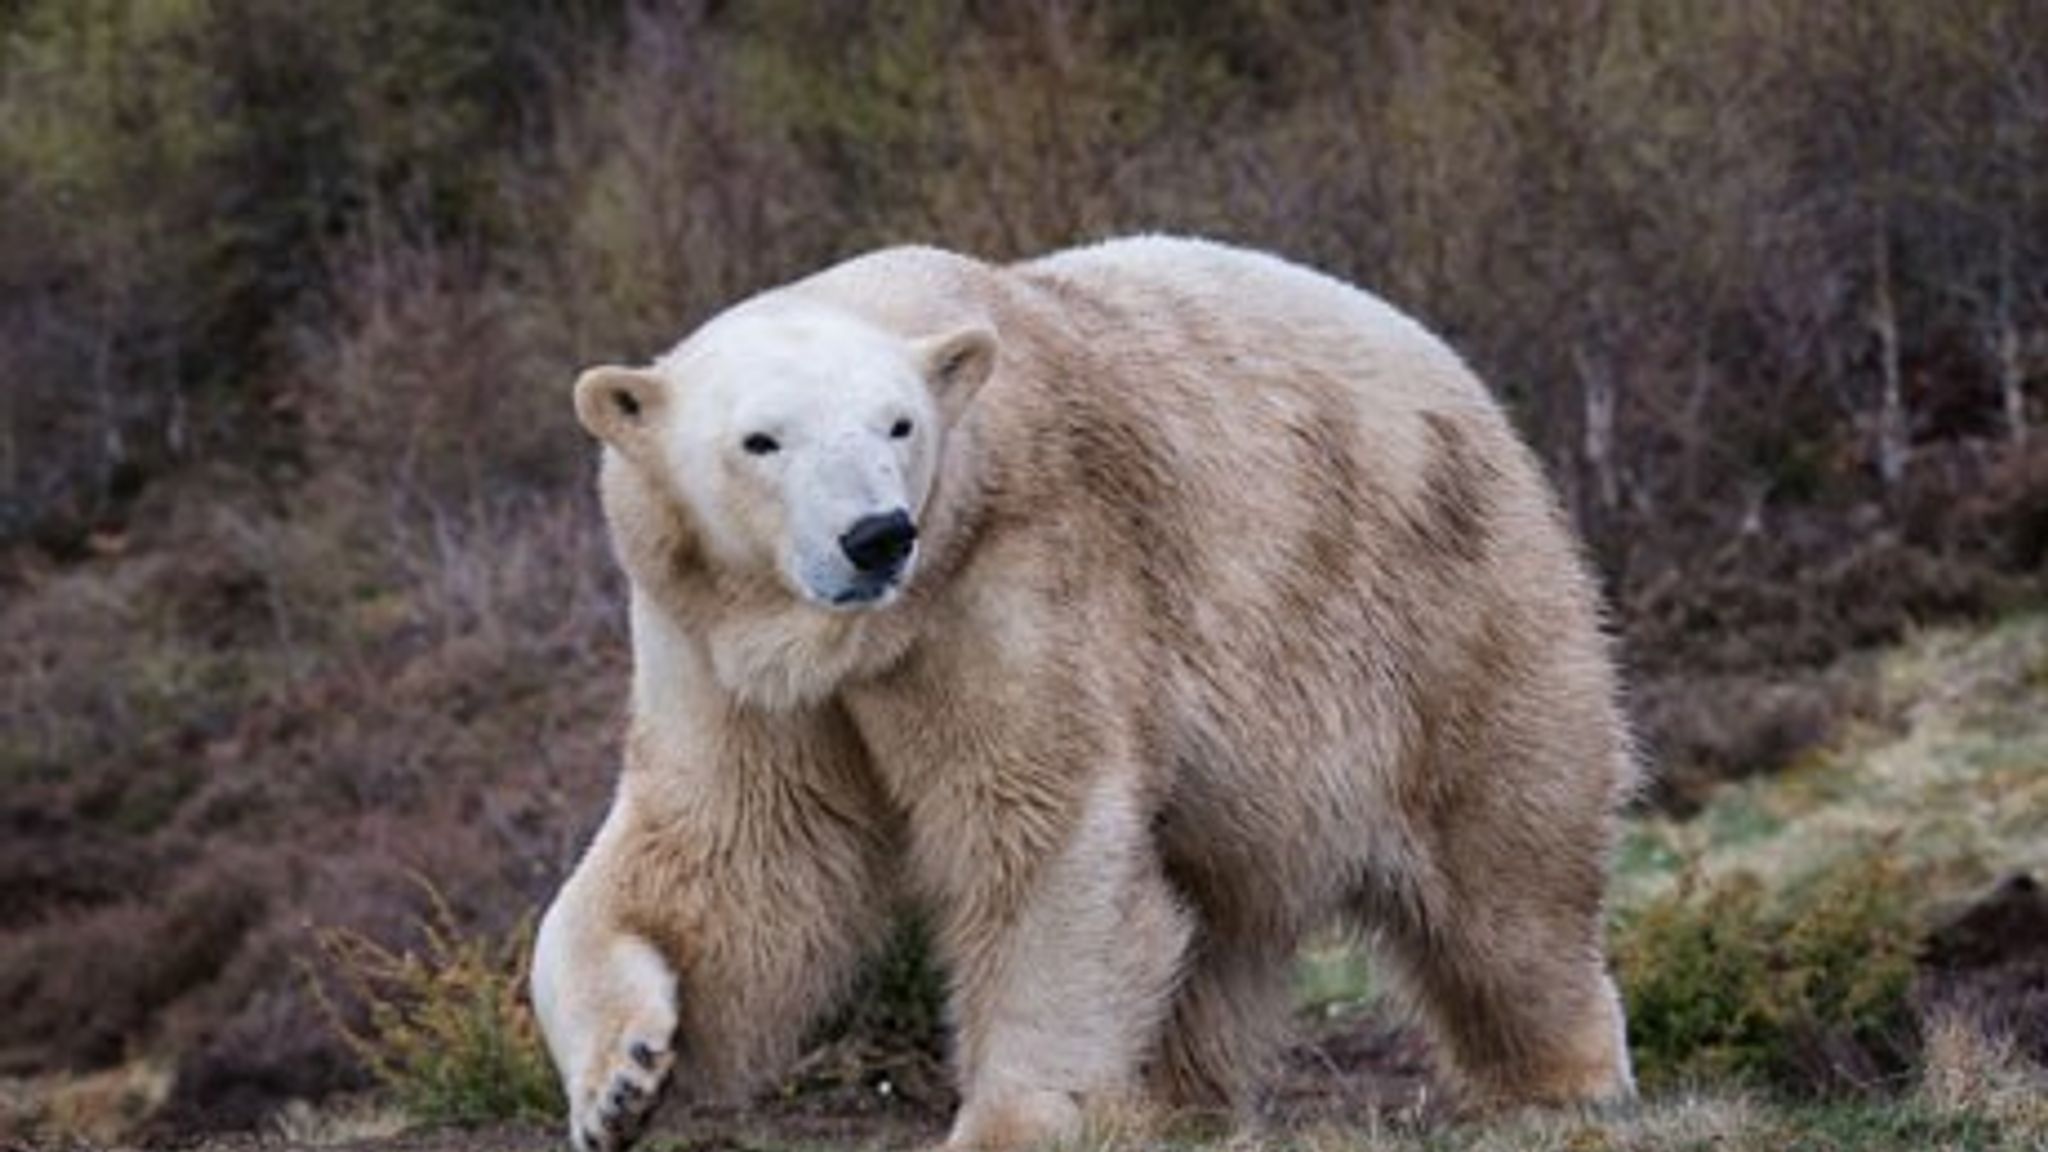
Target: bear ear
column 957, row 363
column 617, row 405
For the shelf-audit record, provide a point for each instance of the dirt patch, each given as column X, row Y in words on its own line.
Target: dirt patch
column 1364, row 1066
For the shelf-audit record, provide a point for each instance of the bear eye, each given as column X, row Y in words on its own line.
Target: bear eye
column 760, row 444
column 899, row 430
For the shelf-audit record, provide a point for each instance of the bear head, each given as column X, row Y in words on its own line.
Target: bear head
column 800, row 441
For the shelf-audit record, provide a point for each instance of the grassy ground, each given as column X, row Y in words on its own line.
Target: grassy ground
column 1949, row 765
column 2002, row 1111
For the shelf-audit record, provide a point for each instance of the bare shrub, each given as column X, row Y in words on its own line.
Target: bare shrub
column 420, row 380
column 81, row 990
column 660, row 189
column 1702, row 730
column 1985, row 968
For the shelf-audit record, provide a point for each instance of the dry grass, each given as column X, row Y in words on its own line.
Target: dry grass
column 1966, row 1072
column 351, row 1123
column 96, row 1108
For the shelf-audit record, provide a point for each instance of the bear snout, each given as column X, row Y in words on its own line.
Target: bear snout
column 878, row 544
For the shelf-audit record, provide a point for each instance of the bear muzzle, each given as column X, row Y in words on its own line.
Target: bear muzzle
column 876, row 546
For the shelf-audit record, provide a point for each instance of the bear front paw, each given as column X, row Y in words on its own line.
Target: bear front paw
column 623, row 1095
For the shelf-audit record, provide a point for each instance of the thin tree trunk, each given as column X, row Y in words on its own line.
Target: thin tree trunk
column 1596, row 385
column 1891, row 416
column 2012, row 381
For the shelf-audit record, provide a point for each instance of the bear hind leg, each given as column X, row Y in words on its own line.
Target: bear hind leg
column 1514, row 989
column 1228, row 1020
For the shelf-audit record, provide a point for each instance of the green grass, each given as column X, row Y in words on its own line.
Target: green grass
column 1333, row 979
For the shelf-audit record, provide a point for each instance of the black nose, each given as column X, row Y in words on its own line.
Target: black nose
column 878, row 543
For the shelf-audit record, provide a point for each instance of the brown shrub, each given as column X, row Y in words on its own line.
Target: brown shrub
column 1702, row 730
column 418, row 382
column 76, row 993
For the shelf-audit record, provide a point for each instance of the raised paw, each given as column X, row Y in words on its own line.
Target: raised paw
column 623, row 1095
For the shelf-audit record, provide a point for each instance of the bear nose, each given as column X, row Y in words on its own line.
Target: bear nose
column 877, row 543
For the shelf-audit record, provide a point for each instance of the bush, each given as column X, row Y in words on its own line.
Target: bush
column 1805, row 992
column 886, row 1046
column 899, row 1000
column 448, row 1033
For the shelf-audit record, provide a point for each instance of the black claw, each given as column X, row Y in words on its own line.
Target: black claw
column 642, row 1054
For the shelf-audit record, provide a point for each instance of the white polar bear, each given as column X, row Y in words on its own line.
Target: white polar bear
column 1135, row 611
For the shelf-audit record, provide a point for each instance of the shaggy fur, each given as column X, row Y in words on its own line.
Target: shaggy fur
column 1239, row 609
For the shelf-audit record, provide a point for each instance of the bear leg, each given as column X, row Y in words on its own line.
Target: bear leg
column 1228, row 1022
column 606, row 1001
column 1062, row 983
column 1510, row 977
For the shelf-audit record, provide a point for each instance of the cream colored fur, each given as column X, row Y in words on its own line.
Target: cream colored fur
column 1237, row 609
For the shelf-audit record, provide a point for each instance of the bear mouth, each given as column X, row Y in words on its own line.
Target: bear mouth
column 843, row 588
column 868, row 591
column 856, row 597
column 857, row 591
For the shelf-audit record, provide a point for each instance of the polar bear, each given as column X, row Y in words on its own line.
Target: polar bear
column 1133, row 611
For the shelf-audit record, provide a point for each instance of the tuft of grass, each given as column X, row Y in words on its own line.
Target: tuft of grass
column 91, row 1109
column 1334, row 979
column 1965, row 1072
column 1805, row 991
column 448, row 1032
